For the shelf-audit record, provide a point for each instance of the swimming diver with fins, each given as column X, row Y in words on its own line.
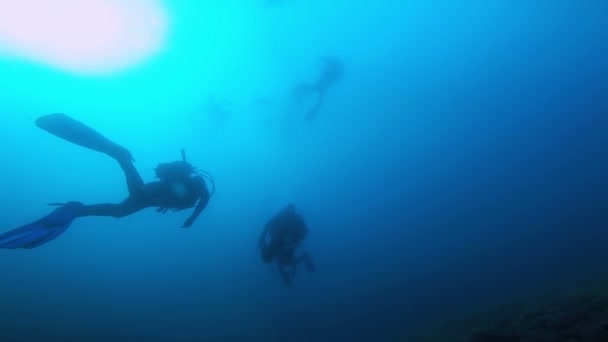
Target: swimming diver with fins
column 331, row 72
column 180, row 186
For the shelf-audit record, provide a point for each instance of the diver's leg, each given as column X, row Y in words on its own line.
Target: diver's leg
column 307, row 259
column 134, row 182
column 78, row 133
column 123, row 209
column 285, row 275
column 313, row 111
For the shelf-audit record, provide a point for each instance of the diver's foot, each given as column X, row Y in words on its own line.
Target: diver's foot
column 74, row 204
column 72, row 207
column 121, row 154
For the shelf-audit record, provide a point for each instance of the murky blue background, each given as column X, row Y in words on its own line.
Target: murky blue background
column 460, row 162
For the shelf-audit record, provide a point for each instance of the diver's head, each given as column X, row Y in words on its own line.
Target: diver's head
column 290, row 208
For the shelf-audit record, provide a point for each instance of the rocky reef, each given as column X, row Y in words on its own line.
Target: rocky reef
column 580, row 316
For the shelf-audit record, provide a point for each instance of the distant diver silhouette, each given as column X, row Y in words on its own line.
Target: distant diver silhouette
column 331, row 72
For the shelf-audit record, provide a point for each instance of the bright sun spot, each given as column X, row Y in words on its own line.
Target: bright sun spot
column 83, row 36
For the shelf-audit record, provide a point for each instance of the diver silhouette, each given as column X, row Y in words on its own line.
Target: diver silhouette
column 332, row 71
column 287, row 230
column 180, row 186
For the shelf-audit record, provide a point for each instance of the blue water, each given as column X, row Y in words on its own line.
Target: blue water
column 461, row 162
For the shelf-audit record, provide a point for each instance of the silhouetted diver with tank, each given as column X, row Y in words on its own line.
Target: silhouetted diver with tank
column 180, row 186
column 287, row 230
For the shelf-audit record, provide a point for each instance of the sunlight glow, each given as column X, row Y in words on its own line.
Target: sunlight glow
column 82, row 36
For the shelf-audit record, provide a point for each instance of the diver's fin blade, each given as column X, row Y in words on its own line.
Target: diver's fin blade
column 51, row 234
column 21, row 236
column 76, row 132
column 41, row 231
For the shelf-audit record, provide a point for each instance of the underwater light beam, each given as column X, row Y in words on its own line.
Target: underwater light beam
column 82, row 36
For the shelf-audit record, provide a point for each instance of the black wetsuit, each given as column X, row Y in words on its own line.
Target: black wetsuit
column 287, row 230
column 176, row 194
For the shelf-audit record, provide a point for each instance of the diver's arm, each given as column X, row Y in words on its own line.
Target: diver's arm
column 202, row 203
column 200, row 206
column 262, row 240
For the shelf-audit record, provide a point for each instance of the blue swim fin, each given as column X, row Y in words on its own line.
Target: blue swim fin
column 43, row 230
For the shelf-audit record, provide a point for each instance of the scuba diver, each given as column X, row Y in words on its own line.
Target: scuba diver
column 180, row 186
column 287, row 229
column 331, row 72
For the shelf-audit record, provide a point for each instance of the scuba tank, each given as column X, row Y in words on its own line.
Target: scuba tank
column 177, row 170
column 174, row 170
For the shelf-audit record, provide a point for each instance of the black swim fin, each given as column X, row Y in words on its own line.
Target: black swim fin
column 43, row 230
column 78, row 133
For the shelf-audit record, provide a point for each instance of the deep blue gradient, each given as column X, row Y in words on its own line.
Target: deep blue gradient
column 460, row 163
